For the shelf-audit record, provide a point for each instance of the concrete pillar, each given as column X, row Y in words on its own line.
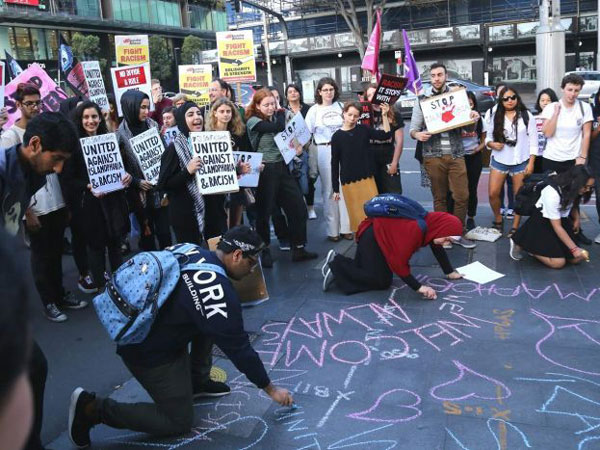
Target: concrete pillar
column 550, row 47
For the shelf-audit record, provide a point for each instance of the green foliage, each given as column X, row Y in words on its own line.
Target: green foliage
column 160, row 58
column 190, row 50
column 86, row 47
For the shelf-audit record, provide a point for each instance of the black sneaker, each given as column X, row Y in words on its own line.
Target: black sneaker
column 54, row 314
column 300, row 254
column 80, row 423
column 470, row 223
column 211, row 389
column 266, row 259
column 86, row 285
column 284, row 245
column 68, row 301
column 581, row 238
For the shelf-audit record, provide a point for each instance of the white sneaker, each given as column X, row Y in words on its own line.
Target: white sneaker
column 328, row 259
column 312, row 215
column 328, row 280
column 515, row 251
column 597, row 240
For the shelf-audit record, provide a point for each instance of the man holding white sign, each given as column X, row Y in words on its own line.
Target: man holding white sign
column 443, row 153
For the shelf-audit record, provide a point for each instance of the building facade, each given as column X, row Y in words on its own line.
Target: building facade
column 29, row 29
column 481, row 40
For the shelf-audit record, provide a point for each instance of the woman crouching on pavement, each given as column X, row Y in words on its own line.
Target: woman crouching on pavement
column 549, row 234
column 385, row 246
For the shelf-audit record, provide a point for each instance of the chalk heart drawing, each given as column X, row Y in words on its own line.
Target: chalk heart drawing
column 461, row 387
column 572, row 328
column 402, row 402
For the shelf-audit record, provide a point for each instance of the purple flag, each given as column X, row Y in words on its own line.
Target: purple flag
column 411, row 72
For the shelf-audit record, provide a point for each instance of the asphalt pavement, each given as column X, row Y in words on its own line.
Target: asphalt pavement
column 510, row 364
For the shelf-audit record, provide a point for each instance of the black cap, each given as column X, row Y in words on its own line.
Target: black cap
column 243, row 238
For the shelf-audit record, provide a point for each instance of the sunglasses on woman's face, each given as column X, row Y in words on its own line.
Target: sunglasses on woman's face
column 509, row 98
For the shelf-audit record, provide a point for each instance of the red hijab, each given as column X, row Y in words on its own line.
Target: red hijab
column 399, row 239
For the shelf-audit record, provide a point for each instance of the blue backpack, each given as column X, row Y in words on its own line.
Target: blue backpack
column 396, row 205
column 139, row 287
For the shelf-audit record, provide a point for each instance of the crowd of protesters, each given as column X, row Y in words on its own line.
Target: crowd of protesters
column 45, row 189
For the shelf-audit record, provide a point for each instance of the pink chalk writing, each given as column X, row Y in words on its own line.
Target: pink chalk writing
column 403, row 402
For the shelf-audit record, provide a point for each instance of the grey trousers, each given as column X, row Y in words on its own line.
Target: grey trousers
column 171, row 388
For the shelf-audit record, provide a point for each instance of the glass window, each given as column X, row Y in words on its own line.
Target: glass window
column 51, row 44
column 23, row 44
column 309, row 79
column 38, row 42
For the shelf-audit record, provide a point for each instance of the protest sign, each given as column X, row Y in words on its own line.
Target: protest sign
column 366, row 115
column 217, row 174
column 132, row 77
column 236, row 56
column 255, row 160
column 295, row 134
column 51, row 94
column 95, row 83
column 132, row 50
column 103, row 161
column 447, row 111
column 148, row 148
column 169, row 134
column 2, row 78
column 389, row 89
column 194, row 82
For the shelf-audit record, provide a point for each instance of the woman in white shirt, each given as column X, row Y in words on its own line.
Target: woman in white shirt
column 323, row 119
column 512, row 136
column 549, row 233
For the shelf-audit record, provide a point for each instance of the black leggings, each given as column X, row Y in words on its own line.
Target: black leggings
column 366, row 272
column 474, row 165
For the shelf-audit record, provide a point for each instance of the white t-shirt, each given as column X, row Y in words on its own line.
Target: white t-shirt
column 47, row 199
column 549, row 202
column 526, row 137
column 322, row 121
column 565, row 145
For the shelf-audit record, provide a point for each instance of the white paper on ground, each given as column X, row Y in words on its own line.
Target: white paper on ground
column 479, row 273
column 484, row 234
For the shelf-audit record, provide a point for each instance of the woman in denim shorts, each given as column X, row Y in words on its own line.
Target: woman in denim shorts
column 512, row 136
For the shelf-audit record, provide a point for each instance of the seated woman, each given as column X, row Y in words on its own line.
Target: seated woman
column 549, row 234
column 385, row 245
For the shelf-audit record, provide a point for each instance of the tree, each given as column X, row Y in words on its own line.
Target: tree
column 160, row 59
column 347, row 9
column 190, row 50
column 87, row 48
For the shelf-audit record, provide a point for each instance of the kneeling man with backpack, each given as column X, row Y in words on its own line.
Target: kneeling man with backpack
column 153, row 307
column 396, row 227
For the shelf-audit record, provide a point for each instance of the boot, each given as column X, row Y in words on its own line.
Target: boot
column 300, row 254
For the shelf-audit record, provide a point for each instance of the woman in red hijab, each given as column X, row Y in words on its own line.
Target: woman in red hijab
column 385, row 246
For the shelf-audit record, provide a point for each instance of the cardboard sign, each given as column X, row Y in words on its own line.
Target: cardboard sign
column 447, row 111
column 51, row 94
column 148, row 148
column 217, row 174
column 389, row 89
column 2, row 78
column 255, row 160
column 132, row 77
column 95, row 83
column 103, row 161
column 194, row 82
column 252, row 289
column 169, row 135
column 295, row 133
column 237, row 62
column 132, row 50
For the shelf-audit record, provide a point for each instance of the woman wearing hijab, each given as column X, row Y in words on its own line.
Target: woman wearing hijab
column 177, row 170
column 152, row 213
column 385, row 246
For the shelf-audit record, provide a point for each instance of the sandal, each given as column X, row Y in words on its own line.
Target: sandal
column 497, row 226
column 511, row 232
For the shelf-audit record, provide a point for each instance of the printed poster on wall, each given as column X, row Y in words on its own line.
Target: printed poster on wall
column 295, row 134
column 132, row 77
column 51, row 94
column 95, row 83
column 132, row 50
column 236, row 56
column 194, row 81
column 217, row 174
column 148, row 148
column 255, row 160
column 447, row 111
column 103, row 161
column 389, row 89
